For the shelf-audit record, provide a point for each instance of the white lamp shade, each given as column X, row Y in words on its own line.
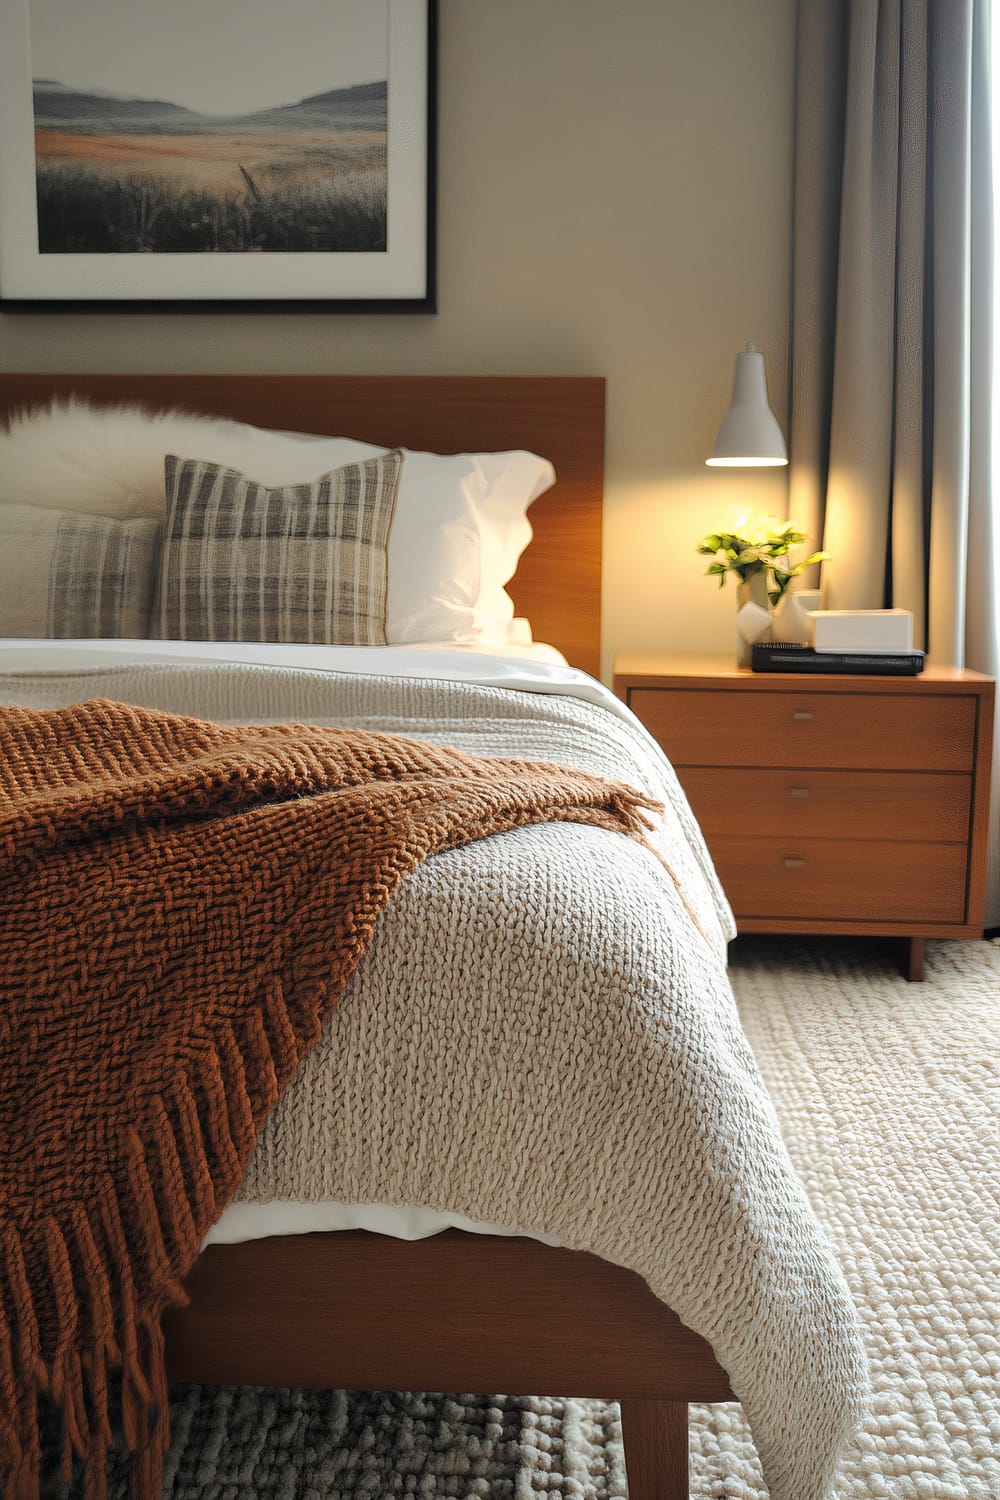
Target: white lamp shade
column 749, row 436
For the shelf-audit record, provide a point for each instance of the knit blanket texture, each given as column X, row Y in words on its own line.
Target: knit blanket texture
column 576, row 1069
column 181, row 905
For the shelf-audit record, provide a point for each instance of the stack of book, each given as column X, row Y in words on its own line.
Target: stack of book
column 776, row 656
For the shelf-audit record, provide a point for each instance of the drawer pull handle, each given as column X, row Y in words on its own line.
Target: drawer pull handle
column 792, row 863
column 799, row 791
column 802, row 713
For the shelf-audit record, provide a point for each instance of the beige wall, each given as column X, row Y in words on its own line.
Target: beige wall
column 615, row 184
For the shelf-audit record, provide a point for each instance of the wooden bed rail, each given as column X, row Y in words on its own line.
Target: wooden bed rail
column 455, row 1312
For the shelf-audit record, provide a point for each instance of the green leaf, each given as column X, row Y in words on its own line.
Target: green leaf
column 768, row 553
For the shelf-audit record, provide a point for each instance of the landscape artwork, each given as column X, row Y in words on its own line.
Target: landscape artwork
column 142, row 149
column 243, row 131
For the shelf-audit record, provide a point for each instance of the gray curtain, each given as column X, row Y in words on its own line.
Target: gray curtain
column 892, row 321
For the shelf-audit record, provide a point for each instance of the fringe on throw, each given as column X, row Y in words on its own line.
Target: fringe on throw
column 81, row 1300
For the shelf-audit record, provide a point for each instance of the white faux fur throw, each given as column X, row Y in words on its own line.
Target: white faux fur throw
column 541, row 1037
column 106, row 460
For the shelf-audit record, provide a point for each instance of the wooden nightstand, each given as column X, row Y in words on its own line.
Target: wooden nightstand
column 831, row 803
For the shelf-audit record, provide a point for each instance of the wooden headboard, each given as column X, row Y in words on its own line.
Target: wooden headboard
column 558, row 584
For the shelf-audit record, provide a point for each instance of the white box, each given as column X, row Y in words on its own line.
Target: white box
column 881, row 632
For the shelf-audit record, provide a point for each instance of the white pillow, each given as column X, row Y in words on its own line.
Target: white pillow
column 459, row 528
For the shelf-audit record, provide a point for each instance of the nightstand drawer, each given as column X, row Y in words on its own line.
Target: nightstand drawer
column 841, row 879
column 831, row 804
column 915, row 732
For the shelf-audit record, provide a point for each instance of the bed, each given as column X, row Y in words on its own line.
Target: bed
column 356, row 1309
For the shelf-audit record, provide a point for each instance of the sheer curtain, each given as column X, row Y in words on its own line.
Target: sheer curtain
column 892, row 392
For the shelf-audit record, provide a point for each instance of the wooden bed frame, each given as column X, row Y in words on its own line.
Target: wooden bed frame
column 456, row 1312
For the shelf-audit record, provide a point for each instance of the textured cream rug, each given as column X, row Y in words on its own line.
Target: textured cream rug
column 889, row 1100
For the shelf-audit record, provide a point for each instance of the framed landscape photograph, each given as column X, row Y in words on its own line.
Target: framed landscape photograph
column 264, row 154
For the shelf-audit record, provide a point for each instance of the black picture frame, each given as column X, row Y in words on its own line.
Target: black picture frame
column 27, row 275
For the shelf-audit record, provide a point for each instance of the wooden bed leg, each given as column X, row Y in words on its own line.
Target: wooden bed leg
column 655, row 1435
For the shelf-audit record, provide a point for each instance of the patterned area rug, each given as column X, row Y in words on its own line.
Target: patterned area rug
column 889, row 1099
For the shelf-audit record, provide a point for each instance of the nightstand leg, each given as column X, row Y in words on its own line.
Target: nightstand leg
column 914, row 966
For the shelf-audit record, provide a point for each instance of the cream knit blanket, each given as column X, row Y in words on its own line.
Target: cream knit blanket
column 576, row 1067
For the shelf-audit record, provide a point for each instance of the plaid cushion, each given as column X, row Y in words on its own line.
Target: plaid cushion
column 307, row 562
column 63, row 574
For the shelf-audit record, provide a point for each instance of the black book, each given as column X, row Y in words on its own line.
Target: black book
column 776, row 656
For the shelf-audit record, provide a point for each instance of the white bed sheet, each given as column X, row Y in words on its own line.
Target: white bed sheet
column 259, row 1221
column 533, row 667
column 26, row 654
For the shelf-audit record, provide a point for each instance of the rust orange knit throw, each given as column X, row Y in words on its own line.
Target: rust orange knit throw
column 181, row 905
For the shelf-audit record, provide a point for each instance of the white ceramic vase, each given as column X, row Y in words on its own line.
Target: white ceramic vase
column 753, row 616
column 790, row 622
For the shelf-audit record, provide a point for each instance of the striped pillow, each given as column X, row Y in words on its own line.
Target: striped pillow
column 306, row 562
column 64, row 574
